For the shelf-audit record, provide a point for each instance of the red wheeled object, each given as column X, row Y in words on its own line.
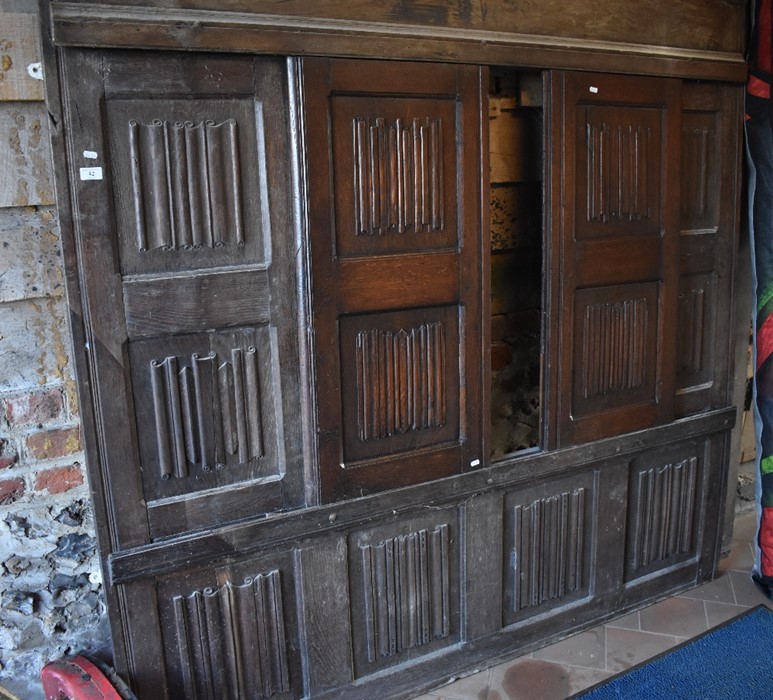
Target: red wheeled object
column 77, row 678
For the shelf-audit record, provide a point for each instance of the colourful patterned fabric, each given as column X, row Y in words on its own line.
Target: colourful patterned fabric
column 759, row 133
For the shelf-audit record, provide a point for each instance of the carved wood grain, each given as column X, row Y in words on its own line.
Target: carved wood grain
column 396, row 171
column 662, row 514
column 398, row 175
column 400, row 381
column 696, row 304
column 709, row 223
column 406, row 591
column 232, row 640
column 549, row 539
column 190, row 175
column 400, row 372
column 186, row 182
column 205, row 408
column 617, row 172
column 614, row 354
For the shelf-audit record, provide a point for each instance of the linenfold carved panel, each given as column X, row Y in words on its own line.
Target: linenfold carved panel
column 395, row 174
column 614, row 346
column 617, row 172
column 189, row 182
column 692, row 320
column 186, row 184
column 207, row 410
column 189, row 426
column 662, row 514
column 400, row 380
column 699, row 198
column 549, row 538
column 398, row 175
column 695, row 192
column 232, row 640
column 549, row 532
column 399, row 372
column 407, row 591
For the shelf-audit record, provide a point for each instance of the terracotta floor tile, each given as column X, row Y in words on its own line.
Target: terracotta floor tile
column 678, row 617
column 586, row 649
column 721, row 612
column 583, row 678
column 626, row 622
column 720, row 590
column 746, row 593
column 626, row 648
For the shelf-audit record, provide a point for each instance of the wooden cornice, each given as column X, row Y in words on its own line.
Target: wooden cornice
column 130, row 27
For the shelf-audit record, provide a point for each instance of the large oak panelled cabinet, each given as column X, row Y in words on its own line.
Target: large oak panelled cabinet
column 277, row 237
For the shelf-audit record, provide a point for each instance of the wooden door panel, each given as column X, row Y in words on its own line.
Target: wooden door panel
column 188, row 185
column 401, row 381
column 615, row 347
column 697, row 340
column 623, row 260
column 202, row 301
column 550, row 532
column 619, row 151
column 232, row 632
column 393, row 156
column 404, row 588
column 194, row 290
column 618, row 275
column 206, row 413
column 664, row 495
column 395, row 180
column 417, row 280
column 708, row 223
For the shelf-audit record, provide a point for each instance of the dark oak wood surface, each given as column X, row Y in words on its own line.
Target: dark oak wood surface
column 280, row 299
column 395, row 214
column 687, row 38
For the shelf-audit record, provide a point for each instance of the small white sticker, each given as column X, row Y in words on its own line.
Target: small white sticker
column 35, row 70
column 91, row 173
column 90, row 154
column 593, row 89
column 475, row 463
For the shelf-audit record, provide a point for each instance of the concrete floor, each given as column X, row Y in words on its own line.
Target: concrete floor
column 558, row 671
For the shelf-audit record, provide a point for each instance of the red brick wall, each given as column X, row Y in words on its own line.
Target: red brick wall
column 50, row 583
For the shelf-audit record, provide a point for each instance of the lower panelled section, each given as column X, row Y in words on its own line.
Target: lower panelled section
column 391, row 605
column 233, row 632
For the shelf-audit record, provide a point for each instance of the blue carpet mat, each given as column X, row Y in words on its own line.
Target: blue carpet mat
column 731, row 662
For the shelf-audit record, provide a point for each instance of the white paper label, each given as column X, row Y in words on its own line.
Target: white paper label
column 593, row 89
column 475, row 463
column 91, row 173
column 90, row 154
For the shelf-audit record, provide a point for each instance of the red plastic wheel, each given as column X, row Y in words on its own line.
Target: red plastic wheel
column 76, row 678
